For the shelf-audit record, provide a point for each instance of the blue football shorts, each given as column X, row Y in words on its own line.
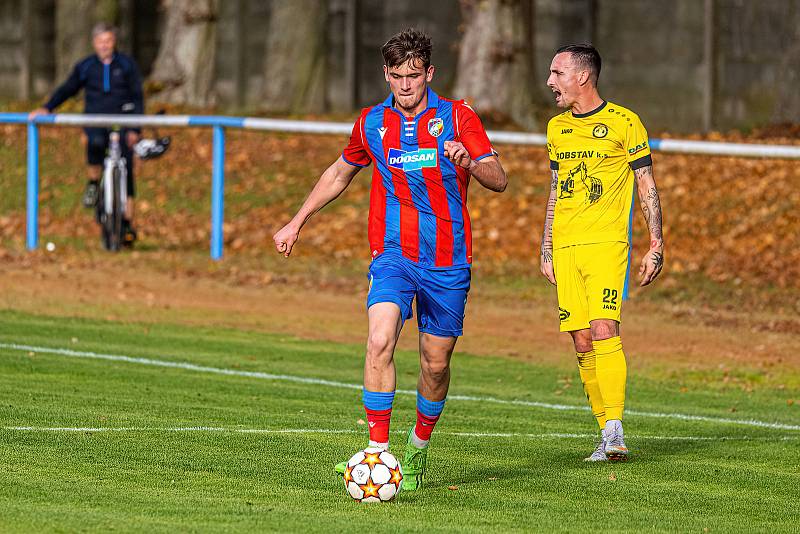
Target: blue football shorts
column 441, row 293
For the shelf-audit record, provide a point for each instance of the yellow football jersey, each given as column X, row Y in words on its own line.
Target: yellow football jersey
column 595, row 154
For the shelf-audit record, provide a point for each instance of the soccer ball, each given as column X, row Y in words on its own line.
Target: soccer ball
column 373, row 475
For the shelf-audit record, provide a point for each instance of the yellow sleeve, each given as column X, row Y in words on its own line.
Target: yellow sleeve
column 551, row 149
column 636, row 144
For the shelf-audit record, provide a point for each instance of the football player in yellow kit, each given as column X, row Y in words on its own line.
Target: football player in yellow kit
column 598, row 150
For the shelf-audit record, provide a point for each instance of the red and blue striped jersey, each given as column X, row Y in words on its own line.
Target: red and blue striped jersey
column 418, row 199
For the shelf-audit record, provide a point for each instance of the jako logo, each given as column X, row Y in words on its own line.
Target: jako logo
column 412, row 161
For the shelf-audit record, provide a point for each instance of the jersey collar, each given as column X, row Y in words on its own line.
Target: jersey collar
column 433, row 100
column 590, row 113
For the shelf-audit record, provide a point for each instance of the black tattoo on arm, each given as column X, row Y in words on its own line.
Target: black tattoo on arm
column 654, row 208
column 643, row 173
column 650, row 202
column 658, row 260
column 547, row 235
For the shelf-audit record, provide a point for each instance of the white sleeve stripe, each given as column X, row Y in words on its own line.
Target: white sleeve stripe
column 361, row 131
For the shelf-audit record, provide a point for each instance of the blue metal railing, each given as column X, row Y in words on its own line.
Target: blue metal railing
column 32, row 226
column 217, row 191
column 219, row 123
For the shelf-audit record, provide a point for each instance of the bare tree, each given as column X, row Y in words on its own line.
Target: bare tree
column 183, row 72
column 787, row 102
column 495, row 66
column 294, row 62
column 74, row 21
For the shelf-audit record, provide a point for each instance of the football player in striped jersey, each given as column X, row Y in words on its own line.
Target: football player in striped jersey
column 424, row 150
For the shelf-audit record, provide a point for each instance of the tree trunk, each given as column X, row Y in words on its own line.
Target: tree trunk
column 294, row 63
column 787, row 102
column 495, row 66
column 183, row 72
column 74, row 22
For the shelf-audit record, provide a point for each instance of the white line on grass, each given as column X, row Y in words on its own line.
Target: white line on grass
column 507, row 435
column 333, row 383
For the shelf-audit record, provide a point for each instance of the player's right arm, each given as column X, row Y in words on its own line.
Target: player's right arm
column 546, row 253
column 329, row 186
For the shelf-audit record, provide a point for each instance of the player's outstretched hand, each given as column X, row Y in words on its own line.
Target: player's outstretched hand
column 546, row 266
column 652, row 264
column 455, row 152
column 285, row 239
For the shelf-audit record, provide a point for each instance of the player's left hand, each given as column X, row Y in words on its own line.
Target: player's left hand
column 652, row 263
column 455, row 152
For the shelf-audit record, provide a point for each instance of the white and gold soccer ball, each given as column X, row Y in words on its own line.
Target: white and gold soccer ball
column 373, row 475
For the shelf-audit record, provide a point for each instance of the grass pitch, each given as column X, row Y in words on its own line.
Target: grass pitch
column 94, row 442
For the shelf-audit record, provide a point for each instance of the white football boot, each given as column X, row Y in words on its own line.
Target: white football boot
column 599, row 454
column 615, row 447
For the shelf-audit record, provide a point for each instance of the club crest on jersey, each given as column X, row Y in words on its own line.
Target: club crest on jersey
column 412, row 161
column 435, row 126
column 600, row 131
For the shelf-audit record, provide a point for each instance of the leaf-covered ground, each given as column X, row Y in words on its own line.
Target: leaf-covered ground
column 727, row 219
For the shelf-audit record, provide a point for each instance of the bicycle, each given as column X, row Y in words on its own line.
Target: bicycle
column 113, row 197
column 113, row 191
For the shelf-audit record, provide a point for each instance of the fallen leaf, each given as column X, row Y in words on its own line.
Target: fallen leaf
column 612, row 477
column 452, row 488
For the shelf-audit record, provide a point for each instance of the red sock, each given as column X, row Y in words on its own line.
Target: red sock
column 425, row 424
column 378, row 421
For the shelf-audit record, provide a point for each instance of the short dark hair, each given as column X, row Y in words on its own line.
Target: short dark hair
column 408, row 45
column 585, row 55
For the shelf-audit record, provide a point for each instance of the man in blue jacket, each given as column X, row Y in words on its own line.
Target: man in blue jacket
column 111, row 84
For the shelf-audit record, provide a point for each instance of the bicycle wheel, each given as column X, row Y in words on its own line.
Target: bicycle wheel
column 112, row 222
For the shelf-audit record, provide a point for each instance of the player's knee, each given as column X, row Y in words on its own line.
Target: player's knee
column 379, row 345
column 604, row 330
column 435, row 370
column 582, row 340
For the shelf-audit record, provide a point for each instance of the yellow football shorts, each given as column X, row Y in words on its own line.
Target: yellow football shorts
column 590, row 279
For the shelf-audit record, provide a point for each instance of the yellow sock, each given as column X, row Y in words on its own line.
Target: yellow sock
column 586, row 368
column 611, row 374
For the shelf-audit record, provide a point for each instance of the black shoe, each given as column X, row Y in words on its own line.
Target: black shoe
column 90, row 195
column 128, row 235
